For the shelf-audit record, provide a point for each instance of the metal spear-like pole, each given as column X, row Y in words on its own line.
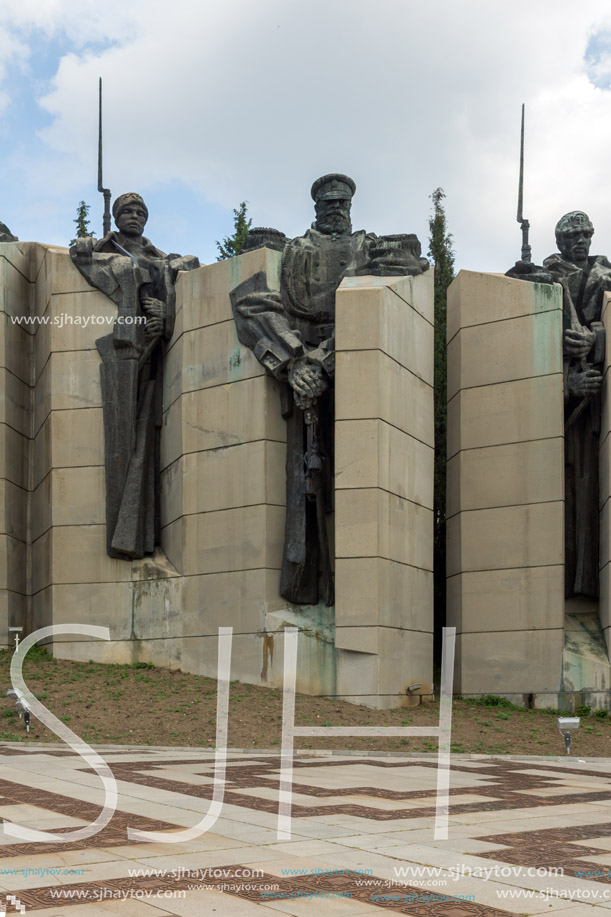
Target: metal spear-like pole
column 105, row 191
column 526, row 250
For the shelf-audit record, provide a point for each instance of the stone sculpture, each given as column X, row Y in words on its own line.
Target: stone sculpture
column 292, row 334
column 584, row 279
column 140, row 279
column 263, row 237
column 6, row 235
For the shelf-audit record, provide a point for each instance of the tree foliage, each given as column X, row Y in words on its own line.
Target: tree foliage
column 441, row 252
column 232, row 245
column 82, row 222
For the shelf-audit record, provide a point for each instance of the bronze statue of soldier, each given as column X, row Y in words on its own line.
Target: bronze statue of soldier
column 584, row 279
column 292, row 334
column 140, row 279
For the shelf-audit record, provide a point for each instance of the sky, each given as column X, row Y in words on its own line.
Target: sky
column 210, row 103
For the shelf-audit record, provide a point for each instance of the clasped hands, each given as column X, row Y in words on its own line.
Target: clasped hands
column 308, row 381
column 154, row 310
column 582, row 383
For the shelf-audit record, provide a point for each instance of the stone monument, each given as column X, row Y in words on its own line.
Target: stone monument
column 528, row 476
column 83, row 413
column 139, row 278
column 292, row 334
column 584, row 280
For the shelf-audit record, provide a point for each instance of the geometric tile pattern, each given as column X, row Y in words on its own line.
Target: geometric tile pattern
column 349, row 812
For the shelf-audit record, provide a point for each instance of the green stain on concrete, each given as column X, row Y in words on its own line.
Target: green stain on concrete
column 235, row 364
column 318, row 656
column 316, row 653
column 274, row 267
column 270, row 262
column 547, row 329
column 585, row 663
column 235, row 272
column 547, row 296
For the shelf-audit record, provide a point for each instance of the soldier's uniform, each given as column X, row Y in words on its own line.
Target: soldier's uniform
column 299, row 323
column 297, row 326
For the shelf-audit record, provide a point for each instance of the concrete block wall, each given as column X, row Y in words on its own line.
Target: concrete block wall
column 223, row 477
column 505, row 487
column 72, row 578
column 223, row 457
column 17, row 270
column 384, row 486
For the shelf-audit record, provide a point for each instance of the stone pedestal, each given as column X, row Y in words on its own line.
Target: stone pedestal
column 17, row 271
column 223, row 485
column 505, row 528
column 516, row 632
column 384, row 438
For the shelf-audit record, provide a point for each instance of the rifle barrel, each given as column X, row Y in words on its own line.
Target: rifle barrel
column 100, row 183
column 521, row 181
column 525, row 225
column 105, row 191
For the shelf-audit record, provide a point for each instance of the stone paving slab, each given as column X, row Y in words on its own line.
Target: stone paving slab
column 525, row 836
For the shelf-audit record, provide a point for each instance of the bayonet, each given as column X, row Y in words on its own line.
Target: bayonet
column 105, row 191
column 526, row 250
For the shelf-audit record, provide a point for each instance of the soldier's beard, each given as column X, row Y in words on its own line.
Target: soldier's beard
column 334, row 223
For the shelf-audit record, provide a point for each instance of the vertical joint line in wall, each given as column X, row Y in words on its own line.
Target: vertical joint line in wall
column 29, row 611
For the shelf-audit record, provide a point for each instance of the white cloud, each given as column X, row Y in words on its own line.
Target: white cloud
column 252, row 101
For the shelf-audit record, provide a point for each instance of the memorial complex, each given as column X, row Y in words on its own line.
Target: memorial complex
column 245, row 444
column 250, row 444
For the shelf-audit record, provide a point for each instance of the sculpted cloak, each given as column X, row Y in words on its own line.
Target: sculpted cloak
column 582, row 296
column 280, row 327
column 132, row 382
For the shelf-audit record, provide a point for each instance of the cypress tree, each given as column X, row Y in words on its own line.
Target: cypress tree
column 82, row 222
column 232, row 245
column 441, row 252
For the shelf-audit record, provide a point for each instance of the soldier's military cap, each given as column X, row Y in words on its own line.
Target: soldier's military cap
column 333, row 187
column 576, row 219
column 124, row 200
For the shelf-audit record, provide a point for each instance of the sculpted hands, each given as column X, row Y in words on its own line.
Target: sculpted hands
column 154, row 309
column 582, row 384
column 308, row 381
column 578, row 343
column 83, row 248
column 526, row 270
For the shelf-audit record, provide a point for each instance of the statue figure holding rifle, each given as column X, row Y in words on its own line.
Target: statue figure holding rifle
column 292, row 334
column 584, row 279
column 140, row 279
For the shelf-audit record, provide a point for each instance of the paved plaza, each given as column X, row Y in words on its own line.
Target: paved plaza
column 525, row 836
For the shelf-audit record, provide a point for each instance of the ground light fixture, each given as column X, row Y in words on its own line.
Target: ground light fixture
column 17, row 631
column 565, row 725
column 23, row 708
